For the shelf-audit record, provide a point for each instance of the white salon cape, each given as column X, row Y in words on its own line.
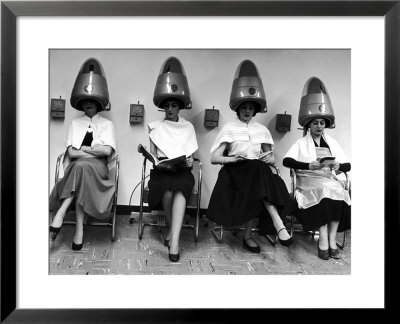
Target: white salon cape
column 315, row 185
column 243, row 138
column 103, row 134
column 173, row 139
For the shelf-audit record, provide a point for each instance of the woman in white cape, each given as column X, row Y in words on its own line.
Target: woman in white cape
column 171, row 138
column 90, row 146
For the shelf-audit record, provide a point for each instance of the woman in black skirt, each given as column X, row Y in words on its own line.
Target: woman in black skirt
column 170, row 138
column 246, row 188
column 323, row 203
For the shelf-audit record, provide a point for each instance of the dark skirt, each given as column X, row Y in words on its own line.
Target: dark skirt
column 239, row 193
column 326, row 211
column 87, row 181
column 160, row 182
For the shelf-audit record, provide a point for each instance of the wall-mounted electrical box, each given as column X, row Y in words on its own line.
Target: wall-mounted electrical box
column 136, row 113
column 283, row 122
column 211, row 118
column 57, row 108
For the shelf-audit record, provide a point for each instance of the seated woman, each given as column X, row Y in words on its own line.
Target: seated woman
column 323, row 202
column 90, row 143
column 246, row 188
column 170, row 138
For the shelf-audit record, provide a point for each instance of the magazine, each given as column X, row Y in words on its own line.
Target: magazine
column 327, row 160
column 171, row 165
column 263, row 154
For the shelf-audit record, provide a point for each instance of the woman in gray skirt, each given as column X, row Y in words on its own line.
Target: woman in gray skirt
column 90, row 145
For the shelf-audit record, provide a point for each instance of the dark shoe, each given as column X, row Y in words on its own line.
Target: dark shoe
column 77, row 247
column 323, row 254
column 254, row 249
column 284, row 242
column 54, row 232
column 166, row 242
column 334, row 253
column 173, row 257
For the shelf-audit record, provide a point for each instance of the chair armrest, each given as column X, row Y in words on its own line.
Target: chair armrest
column 293, row 177
column 58, row 164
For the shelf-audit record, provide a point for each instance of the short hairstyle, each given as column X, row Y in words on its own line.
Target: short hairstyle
column 327, row 122
column 98, row 104
column 257, row 107
column 178, row 100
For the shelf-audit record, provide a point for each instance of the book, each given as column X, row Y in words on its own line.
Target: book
column 263, row 154
column 327, row 160
column 171, row 165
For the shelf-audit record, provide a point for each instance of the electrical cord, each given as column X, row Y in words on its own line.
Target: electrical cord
column 130, row 199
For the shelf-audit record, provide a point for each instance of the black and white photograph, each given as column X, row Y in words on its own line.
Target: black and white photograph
column 193, row 161
column 203, row 161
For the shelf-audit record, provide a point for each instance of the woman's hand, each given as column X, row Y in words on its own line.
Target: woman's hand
column 266, row 158
column 315, row 165
column 84, row 148
column 236, row 158
column 189, row 162
column 335, row 166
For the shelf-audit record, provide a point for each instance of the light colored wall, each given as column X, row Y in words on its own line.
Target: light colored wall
column 131, row 77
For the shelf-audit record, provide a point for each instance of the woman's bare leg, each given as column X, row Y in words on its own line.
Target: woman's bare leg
column 332, row 230
column 167, row 201
column 323, row 237
column 277, row 221
column 79, row 224
column 59, row 217
column 178, row 212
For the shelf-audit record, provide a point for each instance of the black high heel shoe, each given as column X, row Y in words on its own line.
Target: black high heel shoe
column 334, row 253
column 173, row 257
column 254, row 249
column 54, row 232
column 284, row 242
column 77, row 247
column 323, row 254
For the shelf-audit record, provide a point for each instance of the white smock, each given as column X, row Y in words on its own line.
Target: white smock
column 103, row 134
column 243, row 138
column 173, row 139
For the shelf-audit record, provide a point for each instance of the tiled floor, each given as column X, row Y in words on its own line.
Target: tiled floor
column 131, row 256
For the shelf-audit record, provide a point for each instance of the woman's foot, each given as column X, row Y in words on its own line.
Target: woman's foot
column 54, row 231
column 78, row 238
column 173, row 247
column 323, row 247
column 284, row 238
column 250, row 244
column 77, row 247
column 283, row 234
column 173, row 251
column 77, row 244
column 333, row 250
column 55, row 226
column 57, row 221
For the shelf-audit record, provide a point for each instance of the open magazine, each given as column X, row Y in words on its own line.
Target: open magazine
column 171, row 165
column 260, row 156
column 263, row 154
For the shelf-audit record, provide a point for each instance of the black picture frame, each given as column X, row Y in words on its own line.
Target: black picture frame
column 10, row 10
